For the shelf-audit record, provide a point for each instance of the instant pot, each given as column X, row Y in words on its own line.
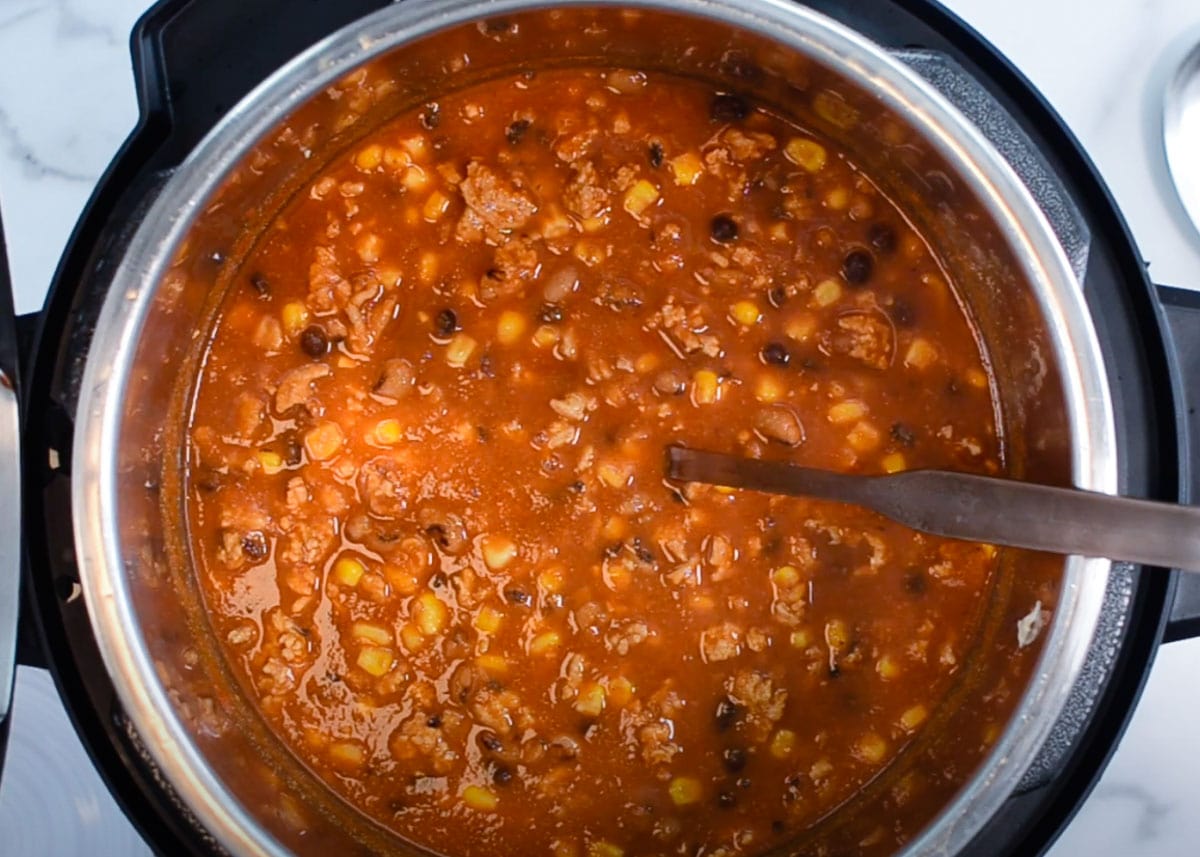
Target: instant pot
column 195, row 60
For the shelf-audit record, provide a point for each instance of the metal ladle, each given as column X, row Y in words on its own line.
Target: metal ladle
column 1181, row 132
column 979, row 508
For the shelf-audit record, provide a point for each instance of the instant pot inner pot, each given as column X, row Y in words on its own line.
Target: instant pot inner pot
column 264, row 793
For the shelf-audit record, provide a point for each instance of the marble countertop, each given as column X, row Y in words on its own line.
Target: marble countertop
column 67, row 102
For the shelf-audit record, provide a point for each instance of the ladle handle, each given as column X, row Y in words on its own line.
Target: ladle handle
column 979, row 508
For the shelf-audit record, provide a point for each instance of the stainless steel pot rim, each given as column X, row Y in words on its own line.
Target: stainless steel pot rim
column 103, row 567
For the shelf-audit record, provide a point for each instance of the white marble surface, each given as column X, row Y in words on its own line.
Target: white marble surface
column 67, row 102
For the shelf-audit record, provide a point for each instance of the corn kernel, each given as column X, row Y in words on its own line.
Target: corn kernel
column 745, row 313
column 921, row 354
column 427, row 269
column 411, row 637
column 347, row 754
column 800, row 638
column 436, row 204
column 831, row 107
column 836, row 635
column 402, row 580
column 837, row 199
column 545, row 643
column 615, row 528
column 371, row 633
column 494, row 665
column 800, row 327
column 498, row 551
column 348, row 570
column 295, row 318
column 510, row 327
column 769, row 389
column 369, row 247
column 323, row 441
column 270, row 462
column 459, row 350
column 786, row 576
column 887, row 668
column 477, row 797
column 552, row 579
column 546, row 336
column 687, row 168
column 705, row 387
column 783, row 744
column 870, row 748
column 648, row 362
column 977, row 379
column 863, row 437
column 429, row 614
column 820, row 769
column 395, row 159
column 604, row 848
column 369, row 158
column 488, row 620
column 416, row 179
column 827, row 293
column 913, row 717
column 640, row 197
column 590, row 252
column 894, row 462
column 614, row 474
column 844, row 413
column 620, row 691
column 805, row 153
column 388, row 432
column 685, row 790
column 417, row 146
column 375, row 660
column 594, row 224
column 590, row 701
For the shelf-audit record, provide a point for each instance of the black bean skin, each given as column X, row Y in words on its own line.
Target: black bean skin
column 516, row 131
column 656, row 154
column 857, row 267
column 727, row 107
column 734, row 759
column 724, row 229
column 881, row 237
column 314, row 342
column 727, row 714
column 445, row 323
column 775, row 354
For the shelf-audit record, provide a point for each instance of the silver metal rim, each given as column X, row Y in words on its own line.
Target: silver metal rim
column 983, row 170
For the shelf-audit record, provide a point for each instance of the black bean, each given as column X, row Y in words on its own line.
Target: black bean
column 724, row 229
column 518, row 596
column 726, row 800
column 433, row 721
column 775, row 353
column 502, row 775
column 744, row 782
column 490, row 742
column 915, row 582
column 776, row 296
column 293, row 452
column 881, row 237
column 438, row 579
column 643, row 553
column 857, row 267
column 550, row 314
column 446, row 322
column 260, row 285
column 313, row 341
column 778, row 826
column 902, row 313
column 656, row 154
column 727, row 107
column 431, row 116
column 734, row 759
column 727, row 714
column 254, row 545
column 902, row 434
column 516, row 131
column 576, row 487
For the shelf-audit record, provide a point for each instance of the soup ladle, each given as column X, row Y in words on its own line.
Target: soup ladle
column 973, row 507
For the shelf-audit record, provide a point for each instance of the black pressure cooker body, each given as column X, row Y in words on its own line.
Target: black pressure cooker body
column 195, row 60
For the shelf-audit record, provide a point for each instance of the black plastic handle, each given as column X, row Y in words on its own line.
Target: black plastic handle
column 1182, row 310
column 10, row 498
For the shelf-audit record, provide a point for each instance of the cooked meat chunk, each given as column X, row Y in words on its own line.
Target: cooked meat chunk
column 296, row 385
